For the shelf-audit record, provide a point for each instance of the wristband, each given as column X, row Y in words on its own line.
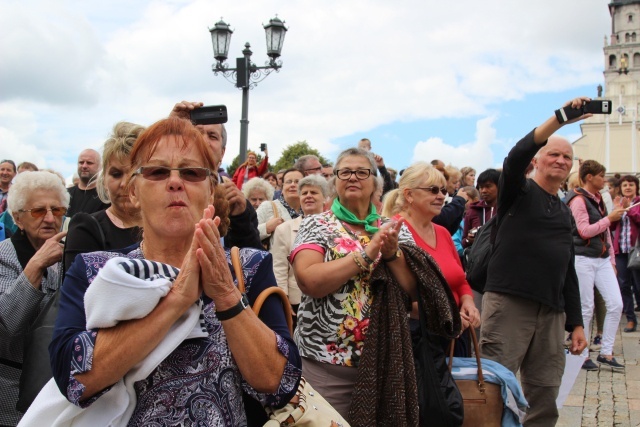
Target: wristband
column 366, row 257
column 235, row 310
column 358, row 263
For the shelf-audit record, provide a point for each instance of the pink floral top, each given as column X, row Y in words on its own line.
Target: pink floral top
column 332, row 329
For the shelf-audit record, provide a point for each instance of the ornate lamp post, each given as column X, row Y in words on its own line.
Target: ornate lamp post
column 246, row 75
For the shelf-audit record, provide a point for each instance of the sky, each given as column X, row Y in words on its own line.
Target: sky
column 461, row 80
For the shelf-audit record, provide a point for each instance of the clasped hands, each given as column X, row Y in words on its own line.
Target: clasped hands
column 205, row 267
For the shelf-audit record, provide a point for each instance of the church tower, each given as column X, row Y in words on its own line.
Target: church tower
column 613, row 140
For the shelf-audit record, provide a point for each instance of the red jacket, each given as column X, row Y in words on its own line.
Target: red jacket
column 474, row 218
column 238, row 176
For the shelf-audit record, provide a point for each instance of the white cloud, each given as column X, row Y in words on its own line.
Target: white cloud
column 477, row 154
column 72, row 69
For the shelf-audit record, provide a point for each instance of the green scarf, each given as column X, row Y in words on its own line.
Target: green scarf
column 344, row 214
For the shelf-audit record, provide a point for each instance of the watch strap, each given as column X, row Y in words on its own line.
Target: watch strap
column 393, row 257
column 235, row 310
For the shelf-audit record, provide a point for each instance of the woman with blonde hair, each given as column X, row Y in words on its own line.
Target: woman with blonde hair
column 418, row 198
column 467, row 177
column 117, row 226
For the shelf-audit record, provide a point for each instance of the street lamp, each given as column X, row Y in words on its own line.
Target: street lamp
column 246, row 75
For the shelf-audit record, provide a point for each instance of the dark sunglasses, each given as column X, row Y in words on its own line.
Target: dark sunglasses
column 434, row 189
column 40, row 212
column 160, row 173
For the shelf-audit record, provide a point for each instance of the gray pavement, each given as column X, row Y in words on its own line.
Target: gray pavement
column 605, row 398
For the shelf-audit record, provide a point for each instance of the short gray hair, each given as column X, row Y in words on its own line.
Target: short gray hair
column 361, row 153
column 314, row 181
column 258, row 184
column 302, row 161
column 28, row 182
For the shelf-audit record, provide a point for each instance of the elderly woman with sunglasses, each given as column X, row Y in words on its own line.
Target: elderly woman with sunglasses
column 418, row 199
column 177, row 376
column 29, row 272
column 333, row 258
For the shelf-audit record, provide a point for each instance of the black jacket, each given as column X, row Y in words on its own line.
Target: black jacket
column 533, row 256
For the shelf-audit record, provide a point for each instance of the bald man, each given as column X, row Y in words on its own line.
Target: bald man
column 532, row 294
column 84, row 197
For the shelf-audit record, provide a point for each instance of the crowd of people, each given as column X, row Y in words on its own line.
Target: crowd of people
column 354, row 245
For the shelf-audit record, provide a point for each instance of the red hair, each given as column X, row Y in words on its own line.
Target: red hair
column 186, row 134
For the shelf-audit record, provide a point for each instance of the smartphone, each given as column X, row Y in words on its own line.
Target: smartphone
column 209, row 115
column 263, row 147
column 599, row 106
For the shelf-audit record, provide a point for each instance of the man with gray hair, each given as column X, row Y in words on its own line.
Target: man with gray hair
column 309, row 165
column 532, row 294
column 84, row 196
column 243, row 227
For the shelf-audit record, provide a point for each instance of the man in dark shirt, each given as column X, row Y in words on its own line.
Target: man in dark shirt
column 243, row 221
column 84, row 197
column 532, row 294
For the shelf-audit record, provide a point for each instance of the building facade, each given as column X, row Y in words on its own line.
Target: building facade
column 613, row 139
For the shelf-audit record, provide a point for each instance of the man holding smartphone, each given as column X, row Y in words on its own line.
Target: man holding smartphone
column 243, row 228
column 532, row 294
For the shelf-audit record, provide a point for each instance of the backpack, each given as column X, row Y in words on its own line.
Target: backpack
column 478, row 256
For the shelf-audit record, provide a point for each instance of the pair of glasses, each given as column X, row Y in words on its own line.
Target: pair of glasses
column 313, row 170
column 345, row 174
column 41, row 212
column 160, row 173
column 434, row 189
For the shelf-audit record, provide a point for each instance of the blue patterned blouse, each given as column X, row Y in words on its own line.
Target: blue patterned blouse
column 199, row 383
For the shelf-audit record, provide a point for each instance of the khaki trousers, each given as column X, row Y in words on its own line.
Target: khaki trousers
column 334, row 382
column 526, row 336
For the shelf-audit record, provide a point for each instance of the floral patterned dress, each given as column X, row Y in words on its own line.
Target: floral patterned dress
column 333, row 329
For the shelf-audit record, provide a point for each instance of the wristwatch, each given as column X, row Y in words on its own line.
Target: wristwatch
column 235, row 310
column 393, row 257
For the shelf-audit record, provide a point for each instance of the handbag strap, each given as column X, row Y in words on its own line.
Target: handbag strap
column 257, row 304
column 237, row 267
column 476, row 348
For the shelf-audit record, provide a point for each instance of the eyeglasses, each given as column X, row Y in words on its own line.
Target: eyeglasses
column 313, row 170
column 160, row 173
column 292, row 181
column 434, row 189
column 345, row 174
column 40, row 212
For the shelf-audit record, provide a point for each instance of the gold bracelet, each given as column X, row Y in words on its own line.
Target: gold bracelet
column 358, row 263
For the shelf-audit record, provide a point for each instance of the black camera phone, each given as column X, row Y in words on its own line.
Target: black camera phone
column 263, row 147
column 209, row 115
column 599, row 106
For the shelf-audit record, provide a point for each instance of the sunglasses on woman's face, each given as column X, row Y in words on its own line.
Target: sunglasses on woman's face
column 160, row 173
column 434, row 189
column 41, row 212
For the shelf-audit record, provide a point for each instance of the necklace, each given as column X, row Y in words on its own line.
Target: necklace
column 114, row 219
column 358, row 235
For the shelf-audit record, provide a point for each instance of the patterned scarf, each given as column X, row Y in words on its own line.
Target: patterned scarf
column 386, row 393
column 292, row 212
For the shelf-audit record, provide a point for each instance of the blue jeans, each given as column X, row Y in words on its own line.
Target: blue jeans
column 626, row 280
